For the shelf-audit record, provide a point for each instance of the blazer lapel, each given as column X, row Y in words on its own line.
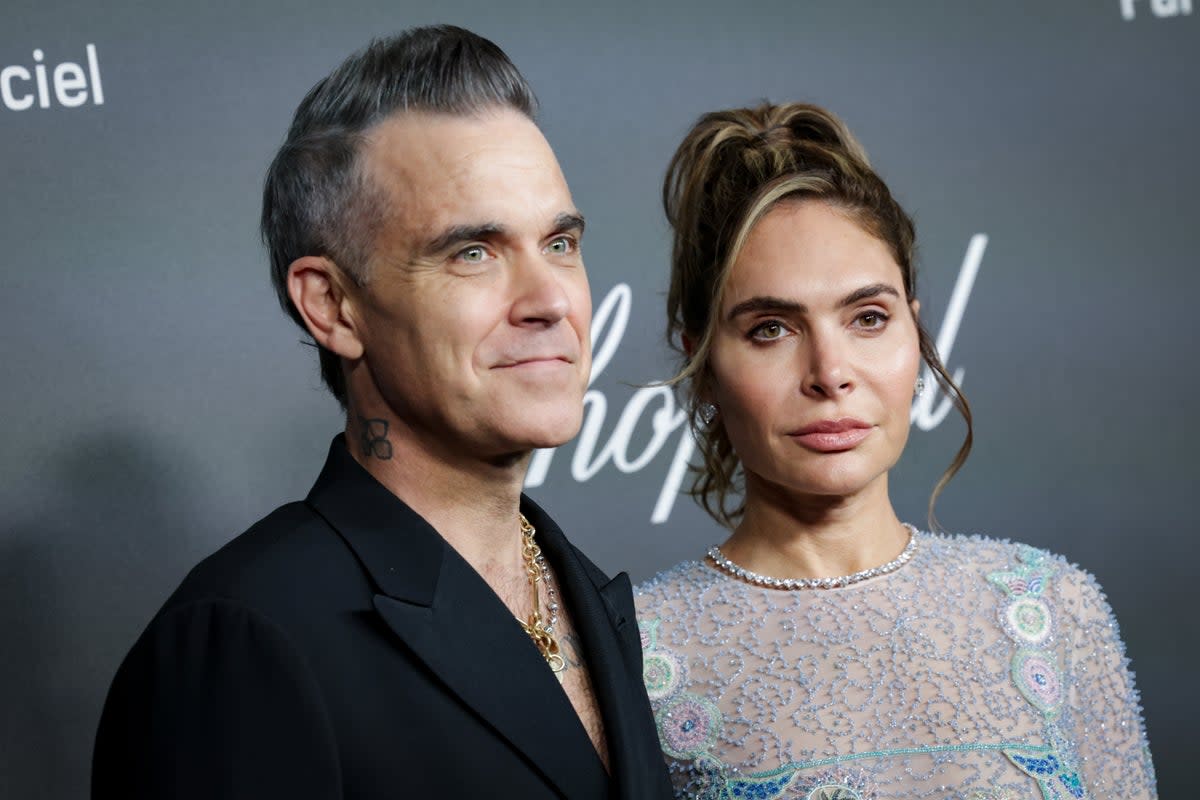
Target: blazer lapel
column 448, row 617
column 476, row 647
column 604, row 616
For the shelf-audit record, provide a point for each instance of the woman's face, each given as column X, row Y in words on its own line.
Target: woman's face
column 815, row 354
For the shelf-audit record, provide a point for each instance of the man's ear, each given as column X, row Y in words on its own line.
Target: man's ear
column 317, row 288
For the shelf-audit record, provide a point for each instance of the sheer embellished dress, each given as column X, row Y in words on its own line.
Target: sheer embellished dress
column 980, row 670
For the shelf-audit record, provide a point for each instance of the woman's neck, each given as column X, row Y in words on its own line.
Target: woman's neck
column 784, row 535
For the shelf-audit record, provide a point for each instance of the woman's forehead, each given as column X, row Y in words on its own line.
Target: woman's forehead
column 809, row 252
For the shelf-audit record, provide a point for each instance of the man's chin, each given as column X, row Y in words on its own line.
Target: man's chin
column 553, row 440
column 547, row 433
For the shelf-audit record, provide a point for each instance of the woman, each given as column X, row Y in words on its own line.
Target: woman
column 934, row 666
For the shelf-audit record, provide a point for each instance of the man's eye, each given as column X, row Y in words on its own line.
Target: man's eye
column 473, row 255
column 561, row 246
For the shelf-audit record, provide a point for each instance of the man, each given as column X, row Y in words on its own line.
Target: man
column 415, row 627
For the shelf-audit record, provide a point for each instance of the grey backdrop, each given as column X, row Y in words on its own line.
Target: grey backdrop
column 155, row 401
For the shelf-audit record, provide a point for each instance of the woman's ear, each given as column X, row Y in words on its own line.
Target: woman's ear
column 315, row 285
column 915, row 306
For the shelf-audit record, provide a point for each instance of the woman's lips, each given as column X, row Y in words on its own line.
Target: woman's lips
column 833, row 436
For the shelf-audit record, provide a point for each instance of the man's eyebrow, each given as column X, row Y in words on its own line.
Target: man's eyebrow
column 456, row 234
column 867, row 292
column 569, row 221
column 767, row 304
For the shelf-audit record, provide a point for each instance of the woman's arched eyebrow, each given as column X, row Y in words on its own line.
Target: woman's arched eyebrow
column 867, row 292
column 766, row 304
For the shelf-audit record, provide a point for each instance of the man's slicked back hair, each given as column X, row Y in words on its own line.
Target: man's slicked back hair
column 317, row 201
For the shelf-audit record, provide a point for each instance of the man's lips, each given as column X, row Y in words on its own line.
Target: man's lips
column 833, row 435
column 534, row 360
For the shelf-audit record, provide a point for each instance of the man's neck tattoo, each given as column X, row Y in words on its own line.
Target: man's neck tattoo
column 372, row 438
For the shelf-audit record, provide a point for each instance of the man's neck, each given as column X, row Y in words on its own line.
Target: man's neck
column 473, row 504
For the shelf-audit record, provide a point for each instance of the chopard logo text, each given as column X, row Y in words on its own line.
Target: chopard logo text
column 668, row 421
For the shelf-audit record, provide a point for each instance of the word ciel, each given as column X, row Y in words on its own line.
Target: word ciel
column 66, row 84
column 1159, row 8
column 657, row 406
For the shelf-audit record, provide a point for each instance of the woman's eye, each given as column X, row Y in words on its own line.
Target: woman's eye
column 768, row 331
column 872, row 319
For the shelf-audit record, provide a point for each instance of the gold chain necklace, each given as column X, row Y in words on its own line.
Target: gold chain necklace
column 542, row 633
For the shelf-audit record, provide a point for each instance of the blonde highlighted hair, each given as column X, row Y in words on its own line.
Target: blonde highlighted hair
column 731, row 169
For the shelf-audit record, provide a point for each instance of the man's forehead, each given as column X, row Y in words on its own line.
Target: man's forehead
column 413, row 142
column 444, row 172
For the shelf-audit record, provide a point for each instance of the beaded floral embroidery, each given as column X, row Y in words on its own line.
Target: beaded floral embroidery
column 687, row 723
column 833, row 791
column 662, row 673
column 787, row 783
column 1037, row 676
column 1027, row 618
column 689, row 726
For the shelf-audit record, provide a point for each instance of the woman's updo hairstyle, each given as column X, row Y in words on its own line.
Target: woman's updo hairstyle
column 731, row 169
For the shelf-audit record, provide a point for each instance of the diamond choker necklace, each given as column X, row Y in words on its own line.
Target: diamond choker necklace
column 768, row 582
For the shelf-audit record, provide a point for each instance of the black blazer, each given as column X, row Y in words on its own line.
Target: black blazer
column 341, row 648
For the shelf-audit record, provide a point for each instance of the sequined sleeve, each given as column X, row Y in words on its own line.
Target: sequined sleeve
column 1107, row 716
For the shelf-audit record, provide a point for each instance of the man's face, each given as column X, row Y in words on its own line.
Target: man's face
column 476, row 313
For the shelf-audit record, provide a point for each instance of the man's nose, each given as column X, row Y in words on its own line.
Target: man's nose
column 539, row 297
